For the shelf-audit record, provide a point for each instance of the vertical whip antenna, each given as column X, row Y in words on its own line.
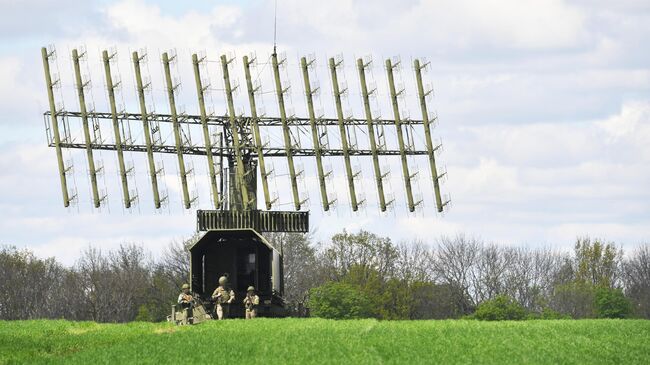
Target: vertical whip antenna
column 275, row 26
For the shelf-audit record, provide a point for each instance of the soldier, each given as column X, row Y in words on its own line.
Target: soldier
column 223, row 296
column 251, row 302
column 186, row 302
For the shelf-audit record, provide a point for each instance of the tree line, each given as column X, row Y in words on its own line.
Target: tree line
column 365, row 275
column 119, row 285
column 351, row 275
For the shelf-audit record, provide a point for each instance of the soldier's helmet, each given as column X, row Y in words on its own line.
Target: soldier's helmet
column 251, row 288
column 185, row 286
column 223, row 280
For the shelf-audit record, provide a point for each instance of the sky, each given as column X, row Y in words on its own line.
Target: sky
column 543, row 112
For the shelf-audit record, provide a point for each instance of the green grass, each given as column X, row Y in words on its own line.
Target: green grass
column 316, row 341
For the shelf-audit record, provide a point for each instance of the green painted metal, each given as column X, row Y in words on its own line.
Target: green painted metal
column 55, row 127
column 177, row 134
column 116, row 129
column 344, row 138
column 318, row 151
column 243, row 136
column 240, row 169
column 84, row 121
column 431, row 150
column 361, row 66
column 400, row 136
column 153, row 173
column 206, row 133
column 259, row 220
column 288, row 145
column 256, row 133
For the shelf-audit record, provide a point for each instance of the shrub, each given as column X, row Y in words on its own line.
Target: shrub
column 500, row 308
column 612, row 303
column 336, row 300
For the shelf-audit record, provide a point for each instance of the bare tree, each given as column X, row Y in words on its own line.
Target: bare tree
column 532, row 277
column 637, row 280
column 301, row 268
column 493, row 263
column 130, row 268
column 97, row 283
column 455, row 259
column 175, row 261
column 414, row 262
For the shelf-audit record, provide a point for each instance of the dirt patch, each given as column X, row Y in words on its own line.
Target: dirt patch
column 160, row 331
column 80, row 330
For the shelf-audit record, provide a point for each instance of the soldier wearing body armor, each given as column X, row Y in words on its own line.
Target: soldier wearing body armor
column 223, row 296
column 251, row 302
column 186, row 301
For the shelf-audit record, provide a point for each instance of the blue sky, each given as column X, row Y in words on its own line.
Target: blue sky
column 544, row 112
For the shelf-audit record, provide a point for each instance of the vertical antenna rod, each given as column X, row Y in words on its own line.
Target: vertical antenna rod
column 116, row 129
column 288, row 145
column 371, row 133
column 309, row 93
column 84, row 121
column 344, row 139
column 206, row 132
column 427, row 134
column 177, row 134
column 400, row 137
column 55, row 127
column 153, row 173
column 256, row 132
column 240, row 168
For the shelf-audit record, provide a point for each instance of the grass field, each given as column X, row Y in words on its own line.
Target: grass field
column 316, row 341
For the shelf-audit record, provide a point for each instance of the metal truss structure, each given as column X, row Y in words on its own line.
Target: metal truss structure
column 240, row 141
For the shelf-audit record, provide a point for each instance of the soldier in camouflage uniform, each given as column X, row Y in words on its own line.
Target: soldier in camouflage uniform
column 251, row 302
column 223, row 296
column 186, row 302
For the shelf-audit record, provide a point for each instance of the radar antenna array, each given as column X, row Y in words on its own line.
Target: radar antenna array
column 245, row 140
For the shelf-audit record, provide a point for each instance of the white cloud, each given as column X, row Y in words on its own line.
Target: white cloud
column 630, row 129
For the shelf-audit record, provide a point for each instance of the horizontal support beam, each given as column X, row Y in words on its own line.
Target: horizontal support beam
column 229, row 151
column 224, row 120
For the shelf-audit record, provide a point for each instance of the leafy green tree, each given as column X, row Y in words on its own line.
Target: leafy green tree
column 500, row 308
column 612, row 303
column 364, row 249
column 597, row 263
column 367, row 281
column 335, row 300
